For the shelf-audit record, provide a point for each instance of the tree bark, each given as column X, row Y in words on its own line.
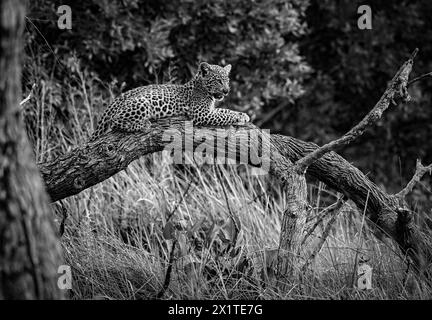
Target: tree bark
column 292, row 226
column 29, row 248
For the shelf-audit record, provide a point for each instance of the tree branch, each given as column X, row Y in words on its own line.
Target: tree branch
column 419, row 173
column 396, row 89
column 429, row 74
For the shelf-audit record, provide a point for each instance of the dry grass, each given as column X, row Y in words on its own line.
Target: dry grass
column 118, row 235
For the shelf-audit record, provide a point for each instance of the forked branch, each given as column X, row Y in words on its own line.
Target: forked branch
column 397, row 89
column 420, row 171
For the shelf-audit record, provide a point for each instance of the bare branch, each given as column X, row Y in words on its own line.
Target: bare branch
column 419, row 173
column 429, row 74
column 396, row 89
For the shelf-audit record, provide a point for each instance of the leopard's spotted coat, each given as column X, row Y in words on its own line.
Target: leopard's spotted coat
column 196, row 99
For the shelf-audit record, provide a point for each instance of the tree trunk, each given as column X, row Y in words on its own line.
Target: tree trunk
column 29, row 249
column 292, row 227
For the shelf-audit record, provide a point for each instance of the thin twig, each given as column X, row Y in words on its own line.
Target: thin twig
column 333, row 209
column 325, row 233
column 419, row 173
column 429, row 74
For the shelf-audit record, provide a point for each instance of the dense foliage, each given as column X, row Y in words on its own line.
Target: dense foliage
column 142, row 42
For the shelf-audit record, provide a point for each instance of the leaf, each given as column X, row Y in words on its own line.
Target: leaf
column 169, row 232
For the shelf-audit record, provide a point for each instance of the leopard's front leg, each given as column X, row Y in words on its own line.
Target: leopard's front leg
column 220, row 117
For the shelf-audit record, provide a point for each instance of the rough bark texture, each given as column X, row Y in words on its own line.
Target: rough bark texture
column 293, row 224
column 94, row 162
column 29, row 248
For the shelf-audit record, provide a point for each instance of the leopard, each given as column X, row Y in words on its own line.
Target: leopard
column 134, row 110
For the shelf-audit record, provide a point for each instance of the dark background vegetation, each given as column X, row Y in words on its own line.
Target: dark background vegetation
column 299, row 68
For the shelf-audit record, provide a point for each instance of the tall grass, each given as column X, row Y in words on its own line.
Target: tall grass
column 121, row 234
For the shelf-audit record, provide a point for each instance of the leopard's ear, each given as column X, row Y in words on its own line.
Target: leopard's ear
column 227, row 68
column 204, row 68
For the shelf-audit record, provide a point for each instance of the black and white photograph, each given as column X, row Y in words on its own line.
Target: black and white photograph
column 210, row 157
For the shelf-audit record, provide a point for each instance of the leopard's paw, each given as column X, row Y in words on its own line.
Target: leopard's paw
column 242, row 118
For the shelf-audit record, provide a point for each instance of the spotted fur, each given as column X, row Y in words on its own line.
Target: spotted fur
column 133, row 110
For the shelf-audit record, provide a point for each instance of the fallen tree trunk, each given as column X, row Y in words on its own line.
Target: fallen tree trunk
column 96, row 161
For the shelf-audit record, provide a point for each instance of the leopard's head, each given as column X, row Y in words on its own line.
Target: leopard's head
column 214, row 79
